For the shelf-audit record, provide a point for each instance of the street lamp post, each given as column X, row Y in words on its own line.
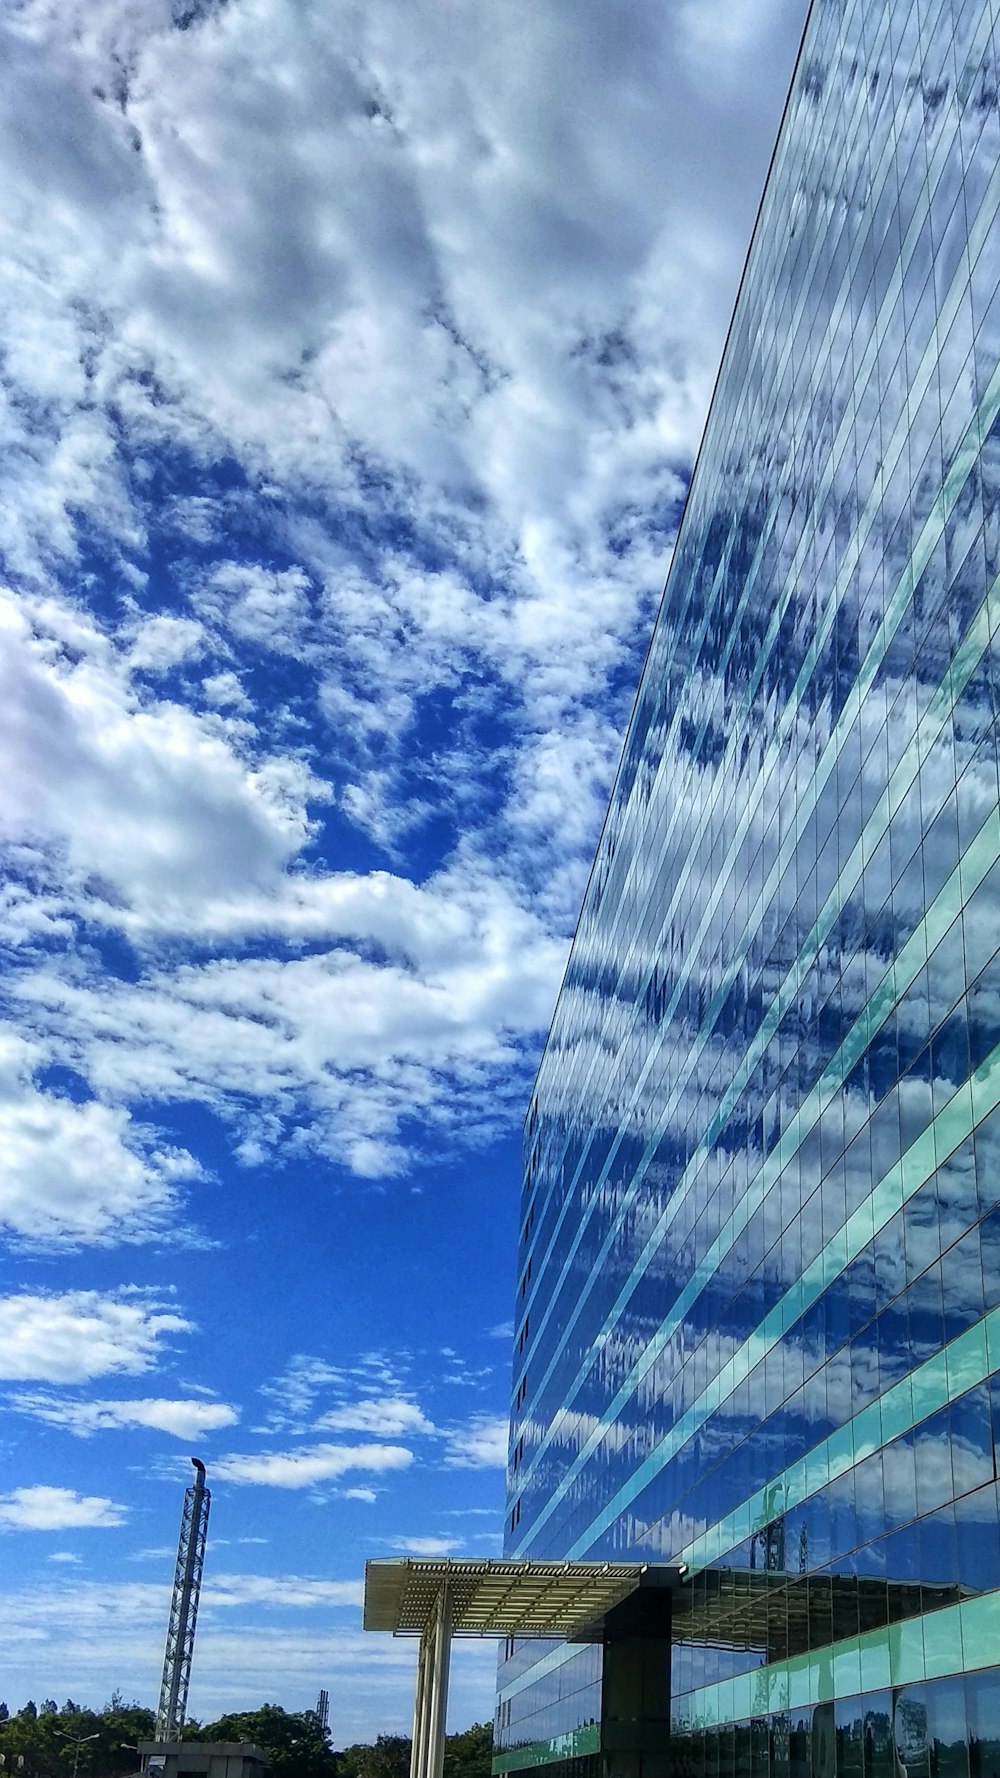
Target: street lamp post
column 79, row 1739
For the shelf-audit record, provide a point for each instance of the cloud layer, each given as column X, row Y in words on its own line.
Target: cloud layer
column 308, row 1466
column 181, row 1419
column 42, row 1508
column 455, row 346
column 73, row 1336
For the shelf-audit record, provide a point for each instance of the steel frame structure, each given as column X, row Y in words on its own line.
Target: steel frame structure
column 184, row 1608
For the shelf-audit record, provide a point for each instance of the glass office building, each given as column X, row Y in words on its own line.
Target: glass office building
column 758, row 1324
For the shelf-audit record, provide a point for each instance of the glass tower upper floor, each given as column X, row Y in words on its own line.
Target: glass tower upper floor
column 759, row 1293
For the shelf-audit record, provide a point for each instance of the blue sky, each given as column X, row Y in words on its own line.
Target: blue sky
column 354, row 359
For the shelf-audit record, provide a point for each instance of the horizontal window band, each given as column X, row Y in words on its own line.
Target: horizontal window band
column 573, row 1745
column 957, row 1639
column 972, row 868
column 548, row 1663
column 970, row 1358
column 931, row 725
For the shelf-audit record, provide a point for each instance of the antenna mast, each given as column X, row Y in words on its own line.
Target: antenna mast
column 183, row 1608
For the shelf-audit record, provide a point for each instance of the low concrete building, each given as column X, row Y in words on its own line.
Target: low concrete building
column 202, row 1759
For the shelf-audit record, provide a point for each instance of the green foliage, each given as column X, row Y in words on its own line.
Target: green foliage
column 293, row 1740
column 388, row 1757
column 470, row 1754
column 46, row 1743
column 467, row 1755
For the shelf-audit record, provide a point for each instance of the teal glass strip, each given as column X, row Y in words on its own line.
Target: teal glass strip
column 789, row 1488
column 895, row 1189
column 968, row 873
column 956, row 1639
column 979, row 858
column 966, row 1360
column 904, row 775
column 548, row 1663
column 547, row 1753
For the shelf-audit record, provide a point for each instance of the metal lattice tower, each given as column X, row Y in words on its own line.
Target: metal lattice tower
column 183, row 1608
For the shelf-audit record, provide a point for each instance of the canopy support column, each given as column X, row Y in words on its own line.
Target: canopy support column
column 430, row 1698
column 440, row 1666
column 421, row 1700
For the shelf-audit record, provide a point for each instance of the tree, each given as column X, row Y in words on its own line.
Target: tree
column 120, row 1727
column 293, row 1741
column 466, row 1755
column 470, row 1754
column 388, row 1757
column 44, row 1744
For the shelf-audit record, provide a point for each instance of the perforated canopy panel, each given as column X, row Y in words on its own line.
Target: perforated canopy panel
column 497, row 1598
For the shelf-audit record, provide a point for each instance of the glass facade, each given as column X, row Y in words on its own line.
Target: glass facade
column 758, row 1324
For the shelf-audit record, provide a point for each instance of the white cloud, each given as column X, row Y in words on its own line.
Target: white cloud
column 285, row 1591
column 310, row 1466
column 406, row 300
column 155, row 824
column 366, row 1494
column 73, row 1336
column 258, row 604
column 480, row 1444
column 57, row 1509
column 559, row 793
column 294, row 1392
column 533, row 318
column 321, row 252
column 63, row 1556
column 152, row 809
column 78, row 1172
column 159, row 643
column 717, row 36
column 341, row 1044
column 225, row 691
column 425, row 1546
column 181, row 1419
column 386, row 1417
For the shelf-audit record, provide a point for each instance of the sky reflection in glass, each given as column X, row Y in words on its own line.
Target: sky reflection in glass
column 759, row 1305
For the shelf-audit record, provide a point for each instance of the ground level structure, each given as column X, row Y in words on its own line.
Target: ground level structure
column 623, row 1607
column 202, row 1759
